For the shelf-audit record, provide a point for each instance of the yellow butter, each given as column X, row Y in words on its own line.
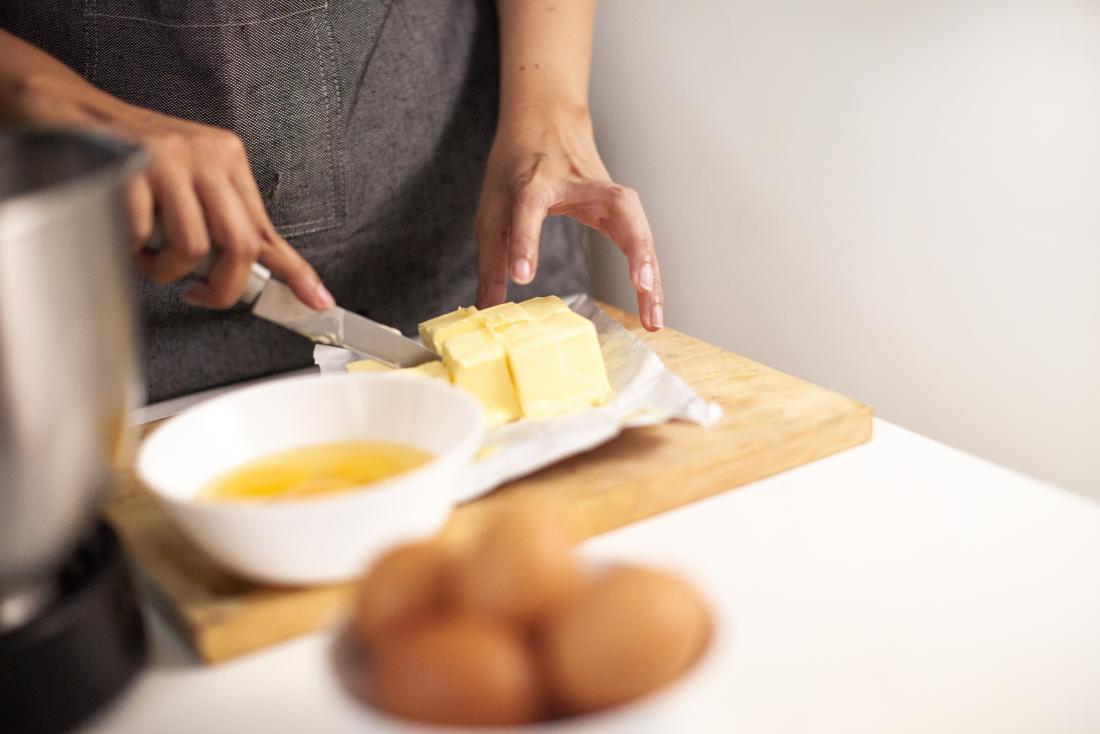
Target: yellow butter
column 501, row 315
column 556, row 365
column 542, row 306
column 434, row 332
column 478, row 363
column 535, row 359
column 435, row 370
column 367, row 365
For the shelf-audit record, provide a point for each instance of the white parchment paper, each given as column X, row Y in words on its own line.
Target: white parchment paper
column 646, row 393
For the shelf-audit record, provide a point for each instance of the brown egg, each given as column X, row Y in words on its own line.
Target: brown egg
column 402, row 587
column 520, row 567
column 458, row 669
column 628, row 633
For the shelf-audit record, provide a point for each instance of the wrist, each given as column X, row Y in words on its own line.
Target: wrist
column 540, row 117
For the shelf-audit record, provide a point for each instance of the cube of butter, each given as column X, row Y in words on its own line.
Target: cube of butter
column 556, row 364
column 435, row 370
column 540, row 307
column 367, row 365
column 434, row 332
column 502, row 315
column 478, row 363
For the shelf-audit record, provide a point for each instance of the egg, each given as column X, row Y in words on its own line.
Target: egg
column 520, row 567
column 405, row 585
column 626, row 633
column 458, row 669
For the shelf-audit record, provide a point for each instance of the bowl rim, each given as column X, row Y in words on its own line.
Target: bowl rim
column 352, row 497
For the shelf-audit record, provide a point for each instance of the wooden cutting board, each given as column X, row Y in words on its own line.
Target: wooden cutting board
column 772, row 422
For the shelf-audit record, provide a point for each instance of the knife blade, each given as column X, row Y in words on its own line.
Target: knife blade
column 339, row 327
column 273, row 301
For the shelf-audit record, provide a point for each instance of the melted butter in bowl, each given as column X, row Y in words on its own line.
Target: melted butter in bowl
column 311, row 471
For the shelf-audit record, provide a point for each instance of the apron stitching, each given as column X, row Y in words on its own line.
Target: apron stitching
column 334, row 120
column 328, row 102
column 230, row 24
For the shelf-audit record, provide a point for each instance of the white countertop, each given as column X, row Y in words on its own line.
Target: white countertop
column 898, row 587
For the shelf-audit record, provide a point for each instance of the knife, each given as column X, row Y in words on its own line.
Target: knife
column 273, row 301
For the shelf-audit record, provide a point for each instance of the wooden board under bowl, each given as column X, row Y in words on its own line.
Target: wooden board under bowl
column 772, row 422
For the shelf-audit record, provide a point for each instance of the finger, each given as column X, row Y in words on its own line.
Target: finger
column 629, row 229
column 139, row 211
column 287, row 265
column 238, row 245
column 525, row 227
column 187, row 240
column 651, row 303
column 276, row 254
column 492, row 260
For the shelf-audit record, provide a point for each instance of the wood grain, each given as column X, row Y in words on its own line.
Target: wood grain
column 772, row 422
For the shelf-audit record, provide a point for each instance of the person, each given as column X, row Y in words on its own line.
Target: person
column 401, row 157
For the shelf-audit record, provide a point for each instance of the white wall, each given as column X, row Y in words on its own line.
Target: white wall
column 899, row 200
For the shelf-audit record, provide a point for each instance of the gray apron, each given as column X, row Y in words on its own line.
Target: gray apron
column 367, row 124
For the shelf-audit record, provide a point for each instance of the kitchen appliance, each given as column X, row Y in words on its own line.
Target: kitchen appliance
column 70, row 630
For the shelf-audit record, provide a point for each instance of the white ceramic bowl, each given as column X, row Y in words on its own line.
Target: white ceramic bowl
column 322, row 539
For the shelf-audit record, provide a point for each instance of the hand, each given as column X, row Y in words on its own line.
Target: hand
column 545, row 168
column 198, row 181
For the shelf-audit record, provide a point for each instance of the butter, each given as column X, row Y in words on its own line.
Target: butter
column 367, row 365
column 556, row 364
column 434, row 332
column 478, row 363
column 539, row 308
column 501, row 315
column 536, row 358
column 435, row 370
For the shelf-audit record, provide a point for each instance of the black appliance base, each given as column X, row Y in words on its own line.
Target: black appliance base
column 80, row 651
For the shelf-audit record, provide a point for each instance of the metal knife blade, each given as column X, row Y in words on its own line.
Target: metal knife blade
column 339, row 327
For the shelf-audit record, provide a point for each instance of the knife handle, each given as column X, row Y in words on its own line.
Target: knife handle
column 257, row 278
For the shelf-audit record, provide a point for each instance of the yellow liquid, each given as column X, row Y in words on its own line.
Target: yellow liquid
column 312, row 471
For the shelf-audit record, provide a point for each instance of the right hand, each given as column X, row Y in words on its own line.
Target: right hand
column 199, row 182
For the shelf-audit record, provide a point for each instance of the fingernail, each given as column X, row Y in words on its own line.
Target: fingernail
column 521, row 270
column 323, row 296
column 657, row 316
column 645, row 276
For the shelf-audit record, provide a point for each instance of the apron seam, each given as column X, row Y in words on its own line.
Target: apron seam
column 230, row 24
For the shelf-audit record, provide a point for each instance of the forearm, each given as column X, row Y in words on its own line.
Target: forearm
column 546, row 51
column 38, row 90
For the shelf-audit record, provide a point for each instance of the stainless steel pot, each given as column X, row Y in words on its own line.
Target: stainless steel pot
column 68, row 367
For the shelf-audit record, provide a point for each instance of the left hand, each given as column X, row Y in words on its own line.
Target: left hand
column 544, row 168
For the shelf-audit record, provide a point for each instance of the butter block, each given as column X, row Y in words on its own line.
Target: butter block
column 434, row 332
column 540, row 307
column 556, row 364
column 435, row 370
column 478, row 363
column 367, row 365
column 502, row 315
